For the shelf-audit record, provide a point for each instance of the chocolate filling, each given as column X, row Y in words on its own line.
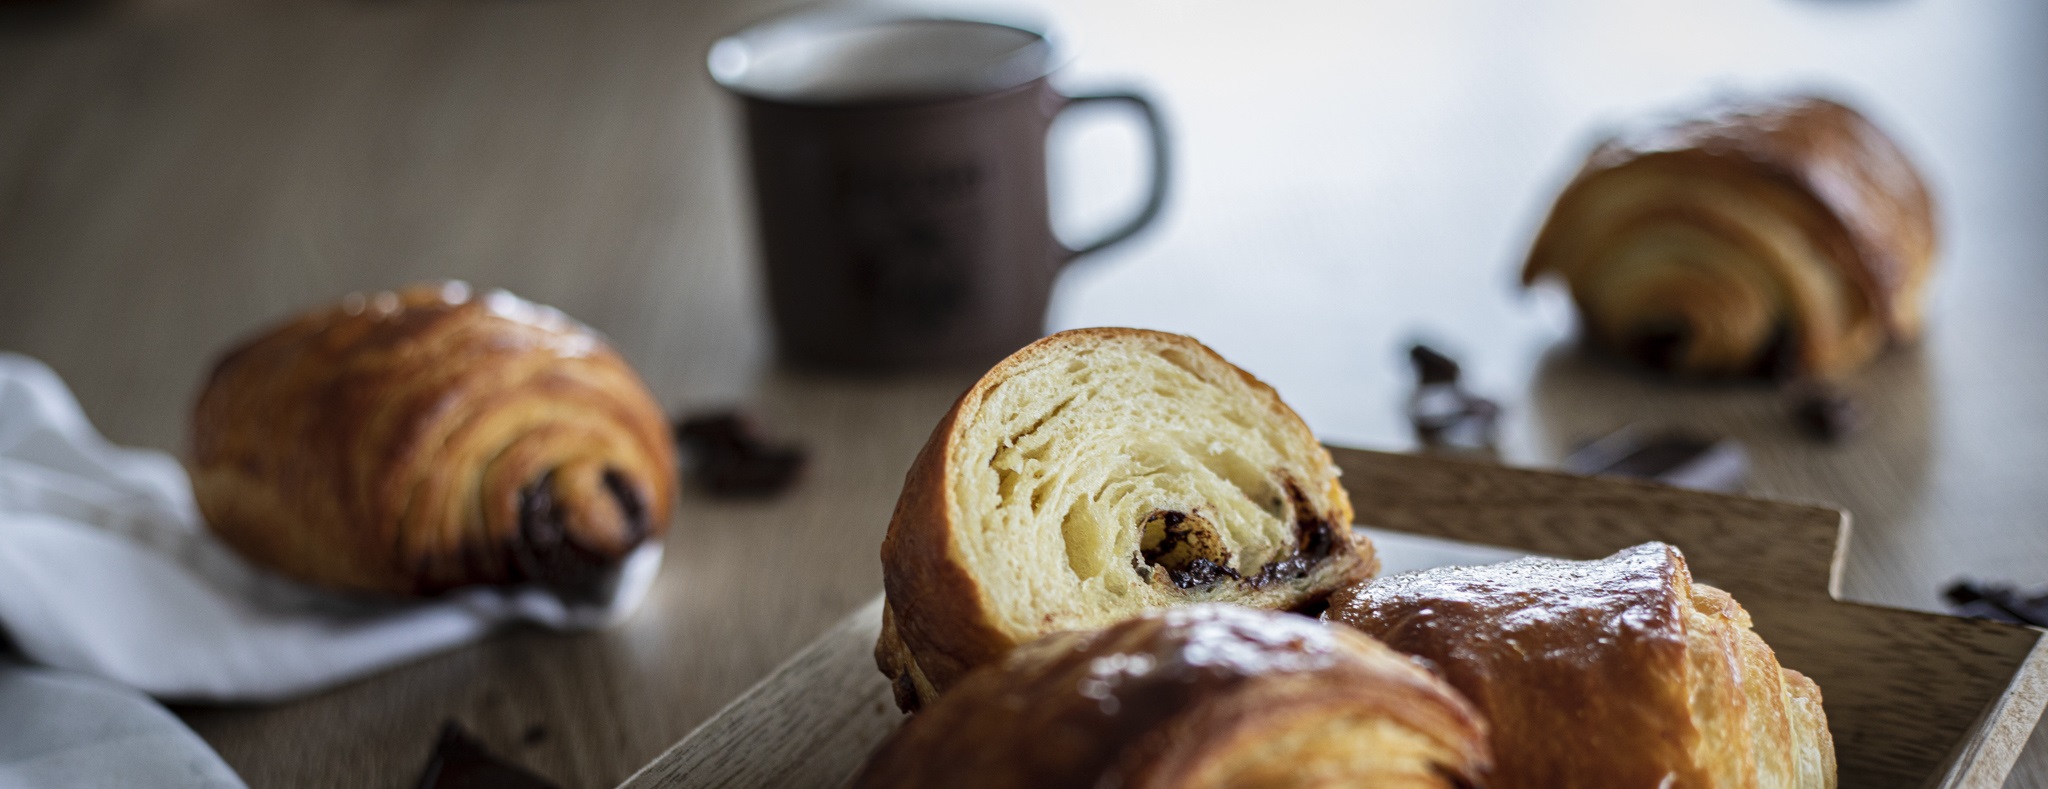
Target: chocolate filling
column 1314, row 539
column 1778, row 359
column 1199, row 572
column 1185, row 547
column 547, row 553
column 630, row 506
column 1659, row 344
column 1193, row 555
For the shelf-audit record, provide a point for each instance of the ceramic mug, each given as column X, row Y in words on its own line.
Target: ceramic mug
column 899, row 176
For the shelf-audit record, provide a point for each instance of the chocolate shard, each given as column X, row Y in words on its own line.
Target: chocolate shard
column 1825, row 412
column 1186, row 547
column 459, row 761
column 1998, row 602
column 1444, row 415
column 1679, row 459
column 1431, row 366
column 730, row 459
column 1199, row 572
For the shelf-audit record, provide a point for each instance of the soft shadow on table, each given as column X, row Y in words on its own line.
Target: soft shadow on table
column 1879, row 473
column 37, row 17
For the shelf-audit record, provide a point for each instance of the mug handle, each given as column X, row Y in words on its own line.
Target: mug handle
column 1157, row 196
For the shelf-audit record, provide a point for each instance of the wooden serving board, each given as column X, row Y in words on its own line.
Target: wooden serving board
column 1914, row 699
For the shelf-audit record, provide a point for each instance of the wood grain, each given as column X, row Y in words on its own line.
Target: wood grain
column 1913, row 699
column 1354, row 175
column 798, row 726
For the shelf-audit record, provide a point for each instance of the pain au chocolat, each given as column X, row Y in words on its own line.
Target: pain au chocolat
column 1205, row 696
column 1094, row 475
column 1776, row 237
column 417, row 441
column 1616, row 672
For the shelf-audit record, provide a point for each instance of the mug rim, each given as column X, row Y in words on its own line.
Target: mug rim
column 813, row 21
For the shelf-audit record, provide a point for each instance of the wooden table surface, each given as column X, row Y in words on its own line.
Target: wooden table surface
column 174, row 173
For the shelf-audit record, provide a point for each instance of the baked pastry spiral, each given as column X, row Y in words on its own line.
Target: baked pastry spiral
column 1093, row 475
column 1207, row 695
column 1616, row 672
column 416, row 441
column 1783, row 237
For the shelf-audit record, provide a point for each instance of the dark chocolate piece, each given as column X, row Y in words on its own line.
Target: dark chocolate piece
column 1449, row 418
column 1998, row 602
column 1678, row 459
column 1825, row 412
column 1313, row 542
column 1198, row 572
column 1444, row 415
column 459, row 761
column 1193, row 556
column 1186, row 547
column 731, row 460
column 1432, row 367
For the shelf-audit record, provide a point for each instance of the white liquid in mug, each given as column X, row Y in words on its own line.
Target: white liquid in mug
column 879, row 60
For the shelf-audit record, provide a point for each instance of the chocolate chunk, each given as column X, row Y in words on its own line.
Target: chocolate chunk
column 1186, row 547
column 1454, row 419
column 1998, row 602
column 1198, row 572
column 1444, row 415
column 731, row 460
column 1678, row 459
column 1314, row 539
column 459, row 761
column 1432, row 367
column 1825, row 412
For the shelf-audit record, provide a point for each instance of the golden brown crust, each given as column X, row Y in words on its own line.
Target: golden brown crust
column 1863, row 219
column 1207, row 695
column 1618, row 672
column 940, row 625
column 934, row 604
column 416, row 441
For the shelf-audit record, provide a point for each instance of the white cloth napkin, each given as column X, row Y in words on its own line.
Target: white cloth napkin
column 60, row 730
column 106, row 569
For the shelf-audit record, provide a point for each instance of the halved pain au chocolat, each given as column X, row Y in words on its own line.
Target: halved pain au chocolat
column 1094, row 475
